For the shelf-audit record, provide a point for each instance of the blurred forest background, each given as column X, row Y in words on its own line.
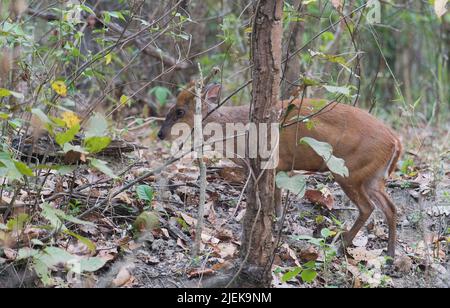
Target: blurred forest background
column 79, row 78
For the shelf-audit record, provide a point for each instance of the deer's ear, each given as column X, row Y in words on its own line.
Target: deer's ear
column 213, row 93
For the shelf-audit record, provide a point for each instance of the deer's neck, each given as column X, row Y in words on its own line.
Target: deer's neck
column 227, row 114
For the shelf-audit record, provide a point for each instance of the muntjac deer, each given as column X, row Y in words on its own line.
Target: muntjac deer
column 370, row 149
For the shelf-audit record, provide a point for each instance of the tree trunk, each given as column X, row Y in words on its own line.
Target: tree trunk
column 292, row 68
column 257, row 239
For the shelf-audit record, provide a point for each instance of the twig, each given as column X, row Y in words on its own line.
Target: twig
column 198, row 141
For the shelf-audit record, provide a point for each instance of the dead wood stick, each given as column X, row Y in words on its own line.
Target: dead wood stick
column 198, row 142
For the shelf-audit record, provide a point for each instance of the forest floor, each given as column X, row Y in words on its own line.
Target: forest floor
column 160, row 257
column 420, row 191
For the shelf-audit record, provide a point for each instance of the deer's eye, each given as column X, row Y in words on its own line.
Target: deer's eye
column 180, row 113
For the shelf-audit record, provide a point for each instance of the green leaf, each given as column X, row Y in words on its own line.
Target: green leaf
column 326, row 233
column 25, row 253
column 308, row 275
column 67, row 136
column 17, row 223
column 291, row 274
column 91, row 264
column 87, row 9
column 295, row 184
column 338, row 90
column 4, row 116
column 54, row 216
column 52, row 256
column 147, row 221
column 8, row 167
column 102, row 166
column 76, row 148
column 96, row 144
column 124, row 99
column 106, row 17
column 64, row 170
column 97, row 126
column 310, row 265
column 161, row 94
column 5, row 92
column 145, row 193
column 23, row 169
column 43, row 273
column 325, row 150
column 89, row 244
column 117, row 15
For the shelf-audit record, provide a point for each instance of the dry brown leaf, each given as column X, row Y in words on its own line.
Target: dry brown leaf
column 362, row 254
column 318, row 197
column 165, row 232
column 221, row 265
column 360, row 240
column 188, row 219
column 9, row 253
column 309, row 254
column 403, row 264
column 181, row 244
column 227, row 250
column 132, row 245
column 208, row 238
column 202, row 272
column 6, row 240
column 123, row 277
column 108, row 255
column 233, row 175
column 224, row 234
column 123, row 196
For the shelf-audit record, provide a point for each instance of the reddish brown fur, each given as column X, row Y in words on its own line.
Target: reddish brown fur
column 370, row 150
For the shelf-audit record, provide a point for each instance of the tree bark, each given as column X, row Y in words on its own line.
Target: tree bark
column 257, row 242
column 292, row 68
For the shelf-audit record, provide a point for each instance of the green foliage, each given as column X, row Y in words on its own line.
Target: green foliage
column 325, row 150
column 408, row 167
column 307, row 273
column 13, row 169
column 145, row 193
column 295, row 184
column 161, row 94
column 18, row 223
column 96, row 144
column 46, row 260
column 97, row 126
column 102, row 166
column 67, row 136
column 147, row 221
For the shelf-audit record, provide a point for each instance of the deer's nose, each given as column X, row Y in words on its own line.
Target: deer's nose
column 161, row 135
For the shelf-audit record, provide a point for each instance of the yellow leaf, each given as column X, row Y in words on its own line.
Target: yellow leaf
column 60, row 88
column 108, row 59
column 124, row 99
column 70, row 119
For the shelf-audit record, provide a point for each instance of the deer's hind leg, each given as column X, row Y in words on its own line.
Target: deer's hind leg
column 383, row 201
column 358, row 195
